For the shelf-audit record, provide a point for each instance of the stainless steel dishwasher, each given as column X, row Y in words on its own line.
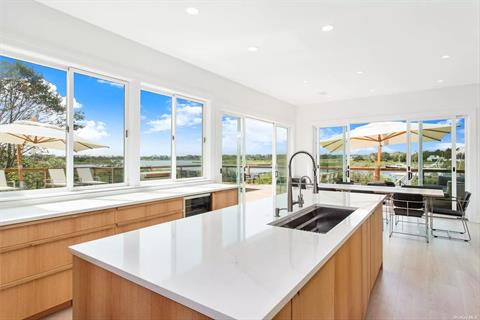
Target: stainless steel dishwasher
column 197, row 204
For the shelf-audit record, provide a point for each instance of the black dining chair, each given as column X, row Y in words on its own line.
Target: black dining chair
column 408, row 206
column 446, row 212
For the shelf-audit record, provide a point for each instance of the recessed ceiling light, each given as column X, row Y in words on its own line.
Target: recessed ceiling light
column 439, row 81
column 359, row 72
column 327, row 28
column 252, row 49
column 445, row 56
column 192, row 11
column 305, row 81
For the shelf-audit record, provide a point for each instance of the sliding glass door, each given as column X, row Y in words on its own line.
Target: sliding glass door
column 254, row 155
column 231, row 169
column 281, row 159
column 428, row 152
column 332, row 156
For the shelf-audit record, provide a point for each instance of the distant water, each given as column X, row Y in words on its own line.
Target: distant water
column 159, row 163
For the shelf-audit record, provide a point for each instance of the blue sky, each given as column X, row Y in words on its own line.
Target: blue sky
column 102, row 103
column 156, row 125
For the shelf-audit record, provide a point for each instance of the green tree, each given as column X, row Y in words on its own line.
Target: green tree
column 25, row 95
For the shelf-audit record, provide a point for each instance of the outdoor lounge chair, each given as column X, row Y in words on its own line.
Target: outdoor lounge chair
column 4, row 183
column 57, row 178
column 85, row 177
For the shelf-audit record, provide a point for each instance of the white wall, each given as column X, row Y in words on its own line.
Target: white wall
column 35, row 28
column 438, row 103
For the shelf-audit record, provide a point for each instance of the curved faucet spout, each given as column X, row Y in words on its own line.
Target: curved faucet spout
column 290, row 190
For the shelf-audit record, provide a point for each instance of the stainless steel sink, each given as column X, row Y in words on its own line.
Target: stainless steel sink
column 316, row 218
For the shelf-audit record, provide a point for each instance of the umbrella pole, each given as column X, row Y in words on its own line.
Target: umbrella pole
column 376, row 175
column 20, row 165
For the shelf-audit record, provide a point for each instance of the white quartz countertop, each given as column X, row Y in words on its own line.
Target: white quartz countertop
column 229, row 263
column 12, row 215
column 432, row 193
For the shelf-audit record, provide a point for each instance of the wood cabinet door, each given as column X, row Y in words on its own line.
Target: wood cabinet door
column 316, row 299
column 223, row 199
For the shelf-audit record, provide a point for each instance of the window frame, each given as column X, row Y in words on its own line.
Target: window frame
column 132, row 89
column 158, row 91
column 204, row 139
column 70, row 114
column 173, row 135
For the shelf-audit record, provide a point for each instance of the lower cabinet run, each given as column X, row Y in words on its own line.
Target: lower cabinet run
column 339, row 290
column 36, row 264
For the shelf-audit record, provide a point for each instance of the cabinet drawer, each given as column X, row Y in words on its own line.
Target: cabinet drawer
column 147, row 210
column 223, row 199
column 32, row 297
column 124, row 227
column 38, row 230
column 37, row 259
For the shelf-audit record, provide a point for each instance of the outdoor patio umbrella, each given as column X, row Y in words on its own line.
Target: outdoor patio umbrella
column 379, row 134
column 43, row 135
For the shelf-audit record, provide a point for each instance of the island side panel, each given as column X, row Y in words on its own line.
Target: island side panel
column 341, row 288
column 100, row 294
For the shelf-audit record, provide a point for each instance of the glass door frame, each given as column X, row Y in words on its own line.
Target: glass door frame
column 243, row 161
column 409, row 151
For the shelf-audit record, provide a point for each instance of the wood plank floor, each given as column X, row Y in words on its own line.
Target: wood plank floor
column 439, row 280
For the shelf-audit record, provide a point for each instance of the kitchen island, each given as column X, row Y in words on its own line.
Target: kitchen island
column 232, row 264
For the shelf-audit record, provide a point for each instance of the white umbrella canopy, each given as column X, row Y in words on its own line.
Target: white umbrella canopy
column 24, row 132
column 386, row 133
column 43, row 135
column 379, row 134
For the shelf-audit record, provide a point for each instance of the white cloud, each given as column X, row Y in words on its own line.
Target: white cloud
column 76, row 104
column 160, row 125
column 92, row 130
column 230, row 135
column 187, row 116
column 110, row 83
column 53, row 89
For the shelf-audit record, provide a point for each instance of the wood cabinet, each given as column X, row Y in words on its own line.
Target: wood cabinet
column 118, row 298
column 139, row 216
column 36, row 264
column 341, row 288
column 316, row 299
column 223, row 199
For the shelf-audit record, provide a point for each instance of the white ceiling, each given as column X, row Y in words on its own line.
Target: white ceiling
column 397, row 45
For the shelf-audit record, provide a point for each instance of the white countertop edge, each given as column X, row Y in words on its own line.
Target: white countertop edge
column 213, row 313
column 62, row 213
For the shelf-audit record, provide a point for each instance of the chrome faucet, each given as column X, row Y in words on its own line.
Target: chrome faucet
column 300, row 201
column 300, row 195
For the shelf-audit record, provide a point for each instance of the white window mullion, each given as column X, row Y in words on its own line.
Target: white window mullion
column 274, row 160
column 346, row 143
column 174, row 138
column 70, row 130
column 409, row 153
column 454, row 160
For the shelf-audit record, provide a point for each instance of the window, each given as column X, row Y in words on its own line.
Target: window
column 99, row 106
column 189, row 138
column 32, row 126
column 415, row 152
column 155, row 136
column 51, row 137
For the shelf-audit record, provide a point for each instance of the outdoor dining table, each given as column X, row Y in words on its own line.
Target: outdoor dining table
column 428, row 194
